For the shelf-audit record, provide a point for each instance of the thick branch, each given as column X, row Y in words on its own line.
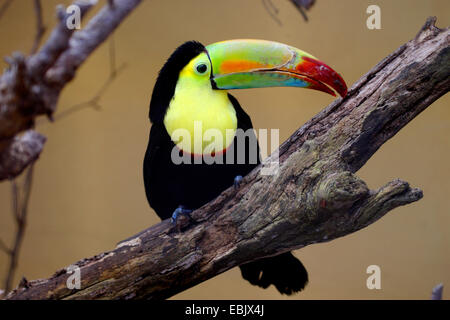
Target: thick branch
column 31, row 86
column 314, row 197
column 58, row 42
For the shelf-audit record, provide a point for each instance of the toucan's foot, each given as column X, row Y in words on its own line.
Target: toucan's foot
column 237, row 182
column 180, row 211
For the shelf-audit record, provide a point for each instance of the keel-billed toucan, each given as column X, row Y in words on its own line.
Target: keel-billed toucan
column 191, row 93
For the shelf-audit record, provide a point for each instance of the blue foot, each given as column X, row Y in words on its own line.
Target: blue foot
column 237, row 182
column 181, row 210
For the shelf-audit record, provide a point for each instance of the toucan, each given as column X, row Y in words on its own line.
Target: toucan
column 190, row 98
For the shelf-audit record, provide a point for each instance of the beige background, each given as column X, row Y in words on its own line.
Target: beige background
column 88, row 192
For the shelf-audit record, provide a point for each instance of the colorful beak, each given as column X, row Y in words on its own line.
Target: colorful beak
column 241, row 64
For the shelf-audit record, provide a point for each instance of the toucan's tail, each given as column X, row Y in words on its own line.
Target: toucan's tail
column 284, row 271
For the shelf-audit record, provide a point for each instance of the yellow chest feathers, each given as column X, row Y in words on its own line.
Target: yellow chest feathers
column 200, row 120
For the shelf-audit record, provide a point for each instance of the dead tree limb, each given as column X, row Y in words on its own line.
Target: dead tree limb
column 24, row 148
column 94, row 101
column 5, row 5
column 314, row 197
column 302, row 6
column 40, row 28
column 27, row 146
column 31, row 86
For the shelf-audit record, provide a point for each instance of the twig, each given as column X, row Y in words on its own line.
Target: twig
column 40, row 28
column 4, row 247
column 4, row 7
column 20, row 211
column 31, row 87
column 15, row 200
column 93, row 103
column 57, row 43
column 272, row 10
column 272, row 5
column 303, row 5
column 436, row 294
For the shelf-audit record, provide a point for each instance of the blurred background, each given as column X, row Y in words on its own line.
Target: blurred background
column 88, row 192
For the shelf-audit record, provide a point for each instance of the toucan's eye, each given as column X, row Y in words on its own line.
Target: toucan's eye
column 201, row 68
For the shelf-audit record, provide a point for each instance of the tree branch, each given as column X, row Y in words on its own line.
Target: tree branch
column 31, row 86
column 303, row 5
column 93, row 102
column 436, row 293
column 21, row 197
column 314, row 197
column 26, row 147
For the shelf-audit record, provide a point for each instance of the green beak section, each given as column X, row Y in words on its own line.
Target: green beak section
column 241, row 64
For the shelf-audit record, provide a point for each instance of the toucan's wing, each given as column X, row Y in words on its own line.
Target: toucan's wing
column 244, row 121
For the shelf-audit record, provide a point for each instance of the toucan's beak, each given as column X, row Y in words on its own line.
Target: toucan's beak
column 240, row 64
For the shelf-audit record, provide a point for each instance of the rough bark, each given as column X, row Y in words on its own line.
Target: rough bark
column 24, row 148
column 31, row 86
column 314, row 197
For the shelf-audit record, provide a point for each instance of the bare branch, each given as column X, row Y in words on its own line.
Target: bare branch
column 436, row 294
column 4, row 247
column 93, row 103
column 5, row 7
column 302, row 6
column 272, row 10
column 85, row 41
column 314, row 197
column 31, row 87
column 40, row 28
column 24, row 149
column 25, row 82
column 57, row 43
column 21, row 197
column 112, row 56
column 15, row 200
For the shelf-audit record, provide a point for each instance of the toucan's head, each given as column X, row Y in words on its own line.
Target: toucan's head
column 191, row 86
column 241, row 64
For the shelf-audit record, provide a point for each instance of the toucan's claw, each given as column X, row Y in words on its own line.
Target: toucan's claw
column 237, row 182
column 180, row 211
